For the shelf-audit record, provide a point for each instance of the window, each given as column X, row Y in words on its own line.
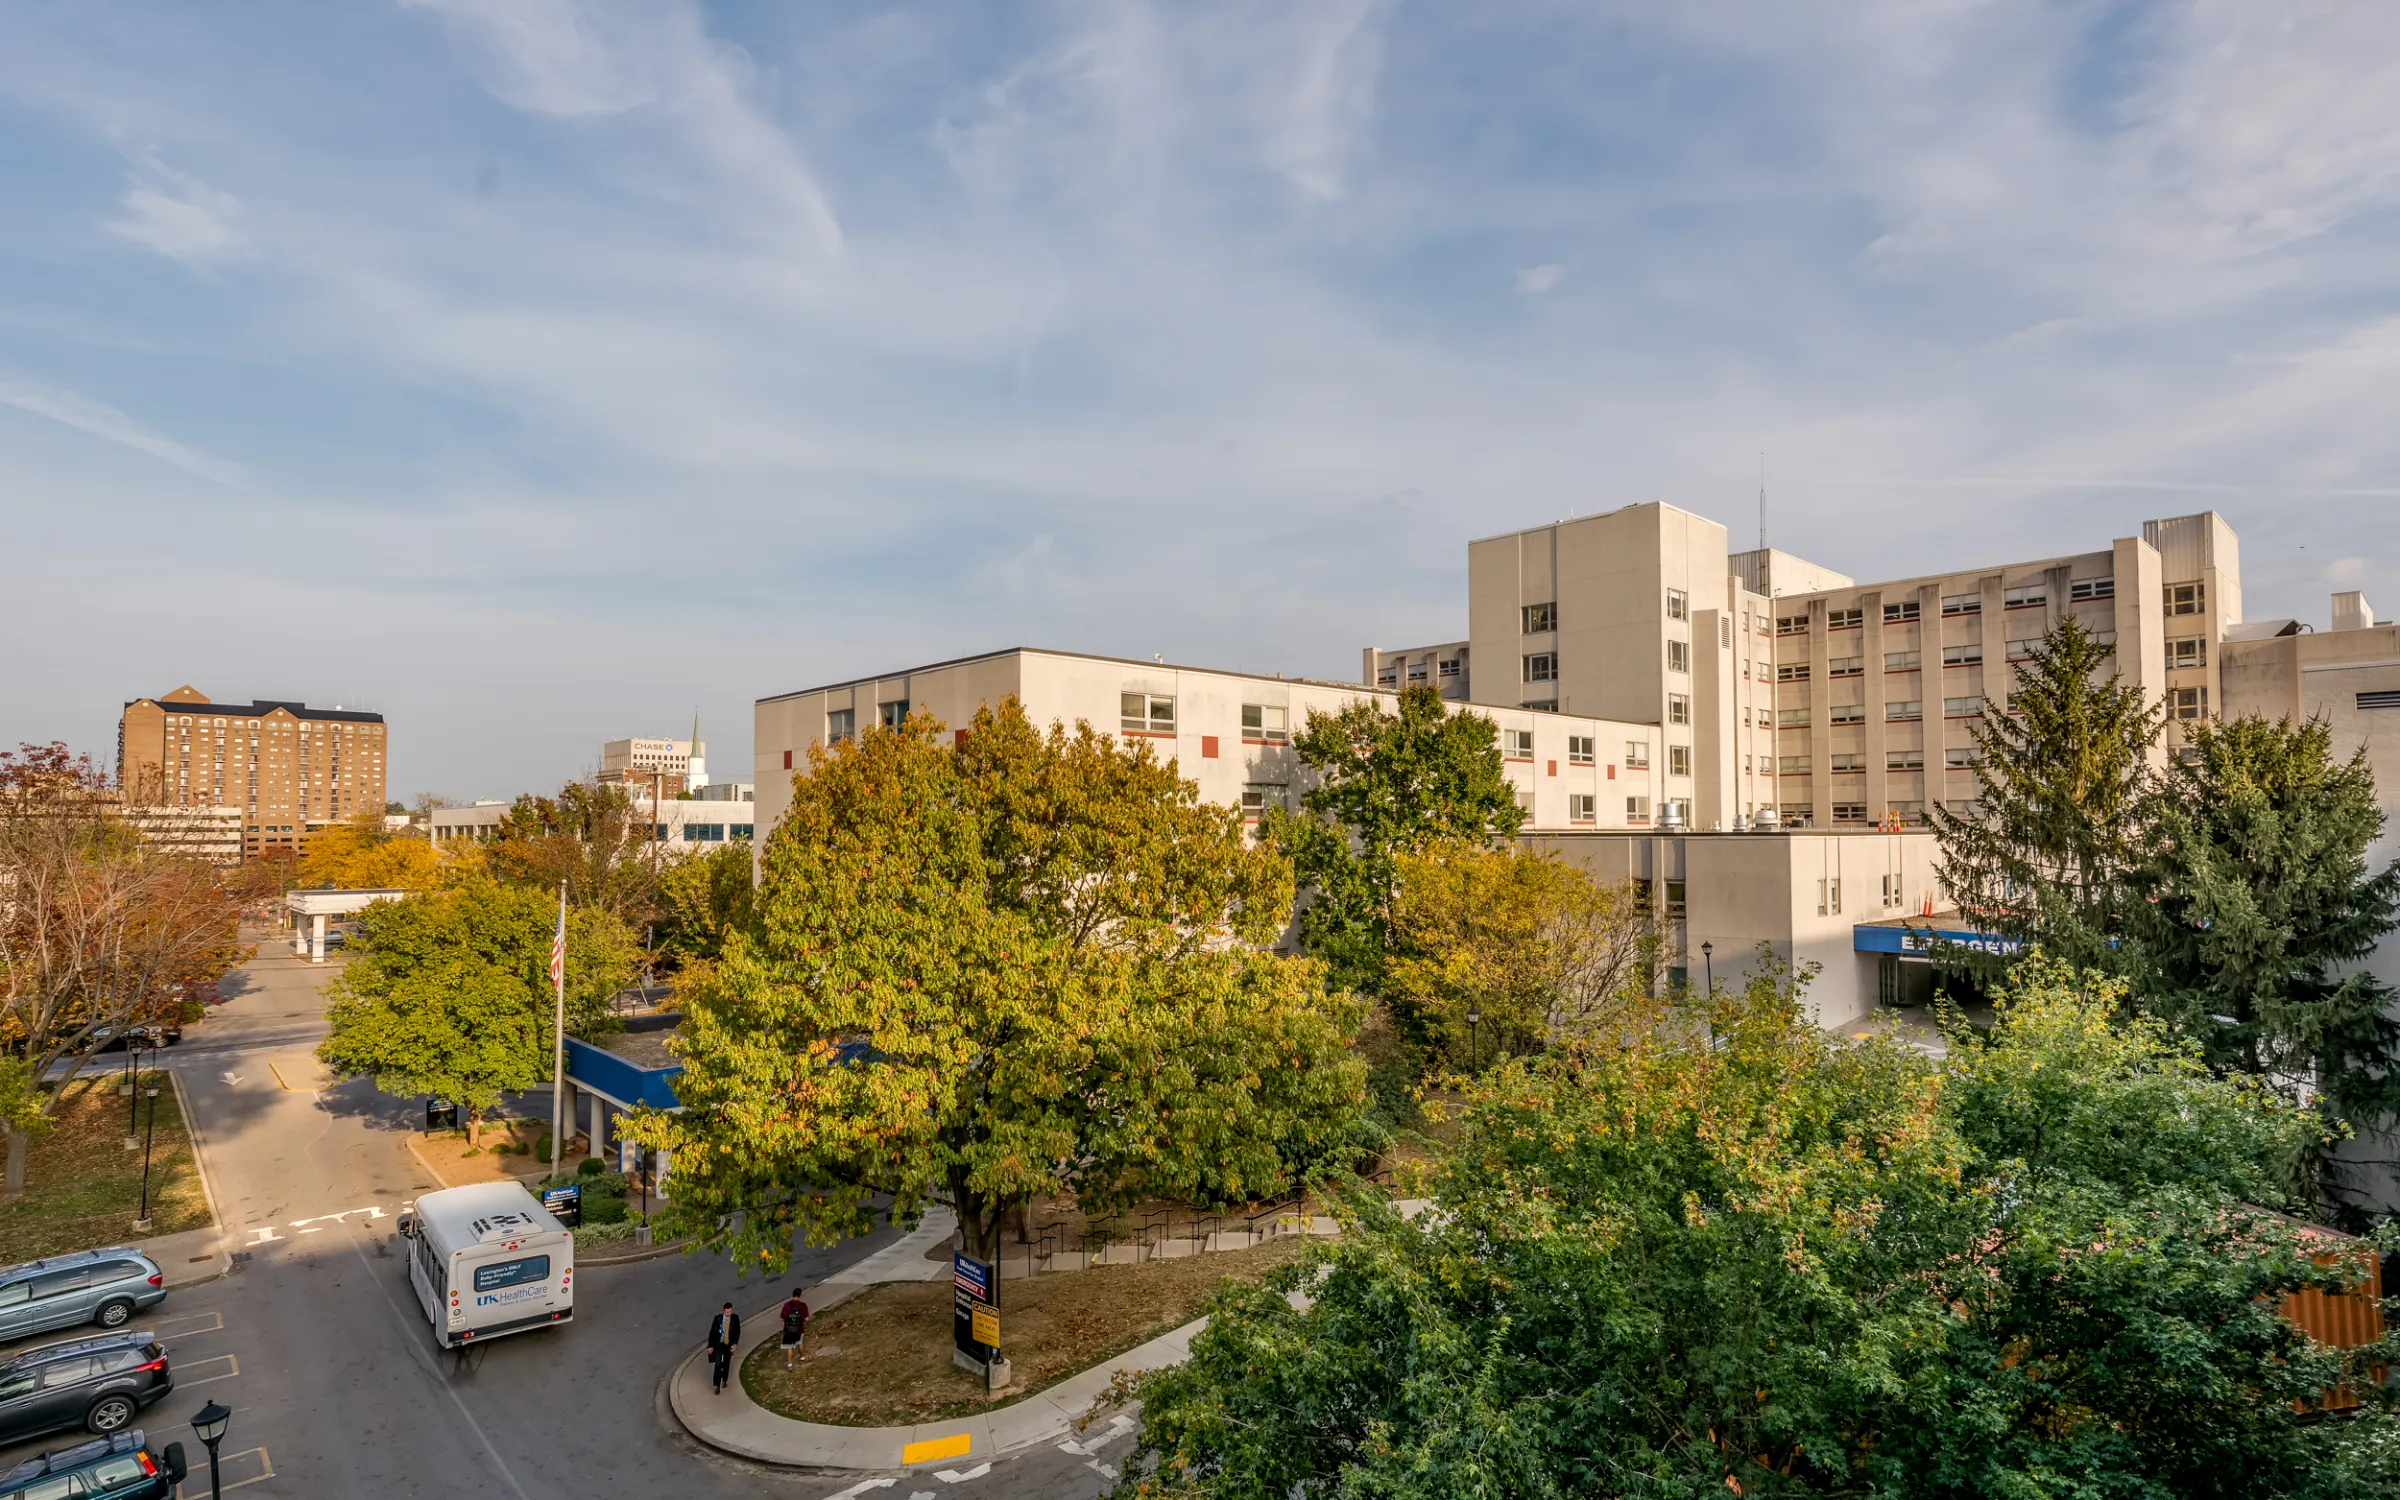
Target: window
column 1580, row 750
column 1637, row 755
column 1891, row 890
column 2378, row 699
column 1960, row 756
column 1449, row 667
column 2092, row 588
column 1849, row 812
column 1519, row 743
column 2022, row 650
column 1844, row 619
column 1679, row 656
column 1417, row 671
column 2107, row 638
column 1681, row 807
column 1725, row 631
column 1962, row 708
column 1848, row 713
column 704, row 833
column 1637, row 809
column 1675, row 898
column 1791, row 624
column 1903, row 661
column 1679, row 760
column 2192, row 651
column 1541, row 705
column 1678, row 606
column 2187, row 703
column 1791, row 718
column 1968, row 655
column 1846, row 666
column 2187, row 598
column 1792, row 671
column 1904, row 760
column 1581, row 807
column 1794, row 765
column 516, row 1272
column 891, row 715
column 1542, row 666
column 1146, row 713
column 1258, row 796
column 1849, row 761
column 1796, row 812
column 1540, row 618
column 1894, row 614
column 2026, row 596
column 1388, row 675
column 1904, row 710
column 742, row 830
column 1265, row 724
column 1679, row 708
column 841, row 724
column 1829, row 891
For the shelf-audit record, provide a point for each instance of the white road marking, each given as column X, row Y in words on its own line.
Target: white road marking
column 953, row 1476
column 232, row 1368
column 862, row 1487
column 231, row 1079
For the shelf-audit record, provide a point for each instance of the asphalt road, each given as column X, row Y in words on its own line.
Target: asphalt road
column 316, row 1342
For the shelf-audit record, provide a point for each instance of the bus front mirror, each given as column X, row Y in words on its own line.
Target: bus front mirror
column 408, row 1227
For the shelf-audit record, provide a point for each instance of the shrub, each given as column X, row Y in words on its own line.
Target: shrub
column 541, row 1148
column 604, row 1208
column 590, row 1166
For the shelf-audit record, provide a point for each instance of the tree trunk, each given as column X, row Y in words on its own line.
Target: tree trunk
column 474, row 1128
column 19, row 1140
column 979, row 1219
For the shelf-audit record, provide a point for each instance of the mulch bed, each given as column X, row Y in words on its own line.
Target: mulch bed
column 882, row 1359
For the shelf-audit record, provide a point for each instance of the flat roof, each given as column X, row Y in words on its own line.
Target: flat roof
column 260, row 708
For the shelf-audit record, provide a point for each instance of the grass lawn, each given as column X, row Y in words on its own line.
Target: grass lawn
column 883, row 1358
column 83, row 1188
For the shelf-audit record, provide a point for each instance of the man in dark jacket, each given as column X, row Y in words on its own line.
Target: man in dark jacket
column 724, row 1336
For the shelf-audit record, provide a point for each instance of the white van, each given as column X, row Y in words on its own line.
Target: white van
column 487, row 1259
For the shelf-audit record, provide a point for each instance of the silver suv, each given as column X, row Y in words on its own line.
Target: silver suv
column 106, row 1287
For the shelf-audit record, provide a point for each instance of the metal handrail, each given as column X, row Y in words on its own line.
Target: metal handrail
column 1216, row 1229
column 1156, row 1225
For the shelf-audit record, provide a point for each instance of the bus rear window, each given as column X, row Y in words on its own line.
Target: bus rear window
column 512, row 1272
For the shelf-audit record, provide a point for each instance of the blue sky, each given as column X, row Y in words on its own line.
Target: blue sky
column 536, row 372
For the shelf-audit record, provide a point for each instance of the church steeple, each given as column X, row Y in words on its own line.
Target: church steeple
column 697, row 776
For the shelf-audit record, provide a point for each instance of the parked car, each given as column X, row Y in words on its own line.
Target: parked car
column 119, row 1467
column 106, row 1287
column 99, row 1383
column 150, row 1036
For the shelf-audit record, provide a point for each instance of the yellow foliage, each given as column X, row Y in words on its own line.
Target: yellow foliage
column 363, row 855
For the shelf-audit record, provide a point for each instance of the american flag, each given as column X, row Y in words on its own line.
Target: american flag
column 558, row 943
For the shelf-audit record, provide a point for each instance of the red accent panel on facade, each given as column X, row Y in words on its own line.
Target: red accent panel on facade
column 1208, row 747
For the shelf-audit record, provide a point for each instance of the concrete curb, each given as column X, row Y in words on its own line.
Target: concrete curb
column 652, row 1252
column 208, row 1183
column 419, row 1157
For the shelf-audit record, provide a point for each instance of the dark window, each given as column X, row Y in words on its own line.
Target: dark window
column 744, row 830
column 516, row 1272
column 68, row 1372
column 891, row 715
column 1539, row 617
column 2383, row 698
column 59, row 1283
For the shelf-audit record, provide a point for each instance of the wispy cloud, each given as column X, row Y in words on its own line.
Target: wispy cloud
column 1535, row 280
column 106, row 422
column 178, row 216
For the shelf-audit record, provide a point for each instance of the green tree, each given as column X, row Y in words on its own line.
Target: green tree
column 595, row 836
column 2042, row 856
column 448, row 992
column 703, row 899
column 1387, row 784
column 1023, row 964
column 1744, row 1257
column 2259, row 905
column 1531, row 946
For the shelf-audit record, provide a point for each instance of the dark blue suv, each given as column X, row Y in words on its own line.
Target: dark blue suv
column 110, row 1468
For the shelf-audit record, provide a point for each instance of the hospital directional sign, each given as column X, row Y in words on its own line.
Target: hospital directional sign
column 1878, row 937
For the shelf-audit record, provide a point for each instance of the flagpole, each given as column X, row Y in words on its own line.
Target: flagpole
column 558, row 1044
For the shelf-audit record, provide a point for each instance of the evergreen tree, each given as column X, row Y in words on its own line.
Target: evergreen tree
column 2043, row 854
column 2259, row 895
column 1388, row 784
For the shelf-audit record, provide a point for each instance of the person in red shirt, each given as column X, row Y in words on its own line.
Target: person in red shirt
column 795, row 1328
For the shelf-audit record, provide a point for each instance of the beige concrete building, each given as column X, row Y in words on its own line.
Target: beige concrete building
column 287, row 767
column 1442, row 668
column 663, row 765
column 679, row 825
column 1228, row 732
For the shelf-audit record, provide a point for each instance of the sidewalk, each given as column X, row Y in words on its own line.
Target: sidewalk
column 729, row 1420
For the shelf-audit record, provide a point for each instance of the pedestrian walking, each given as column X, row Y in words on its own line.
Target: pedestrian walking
column 795, row 1328
column 724, row 1336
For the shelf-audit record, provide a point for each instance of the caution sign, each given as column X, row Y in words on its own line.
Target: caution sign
column 987, row 1325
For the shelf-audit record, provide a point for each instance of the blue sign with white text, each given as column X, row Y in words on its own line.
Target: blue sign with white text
column 1875, row 938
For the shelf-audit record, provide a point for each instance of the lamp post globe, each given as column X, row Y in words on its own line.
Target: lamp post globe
column 1474, row 1053
column 209, row 1422
column 1708, row 965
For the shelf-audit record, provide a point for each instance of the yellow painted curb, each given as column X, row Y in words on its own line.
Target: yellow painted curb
column 953, row 1446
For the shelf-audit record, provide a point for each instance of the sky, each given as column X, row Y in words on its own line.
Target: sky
column 538, row 373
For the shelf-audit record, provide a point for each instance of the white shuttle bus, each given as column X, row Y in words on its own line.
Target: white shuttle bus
column 487, row 1259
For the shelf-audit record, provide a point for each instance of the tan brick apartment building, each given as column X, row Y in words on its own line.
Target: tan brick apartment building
column 284, row 767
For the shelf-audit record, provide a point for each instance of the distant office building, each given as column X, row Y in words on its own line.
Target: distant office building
column 670, row 767
column 725, row 791
column 676, row 826
column 285, row 767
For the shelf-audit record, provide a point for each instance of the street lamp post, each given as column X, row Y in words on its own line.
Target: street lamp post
column 1474, row 1052
column 133, row 1102
column 141, row 1225
column 209, row 1421
column 1708, row 967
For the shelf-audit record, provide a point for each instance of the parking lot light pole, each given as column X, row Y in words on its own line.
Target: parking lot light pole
column 209, row 1421
column 142, row 1225
column 133, row 1095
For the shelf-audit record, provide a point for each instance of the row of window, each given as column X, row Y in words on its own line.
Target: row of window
column 1956, row 757
column 1388, row 675
column 2181, row 598
column 1541, row 619
column 704, row 833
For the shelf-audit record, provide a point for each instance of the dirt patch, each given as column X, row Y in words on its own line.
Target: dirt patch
column 882, row 1359
column 446, row 1152
column 83, row 1188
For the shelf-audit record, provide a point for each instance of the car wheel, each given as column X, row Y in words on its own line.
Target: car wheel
column 110, row 1414
column 116, row 1312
